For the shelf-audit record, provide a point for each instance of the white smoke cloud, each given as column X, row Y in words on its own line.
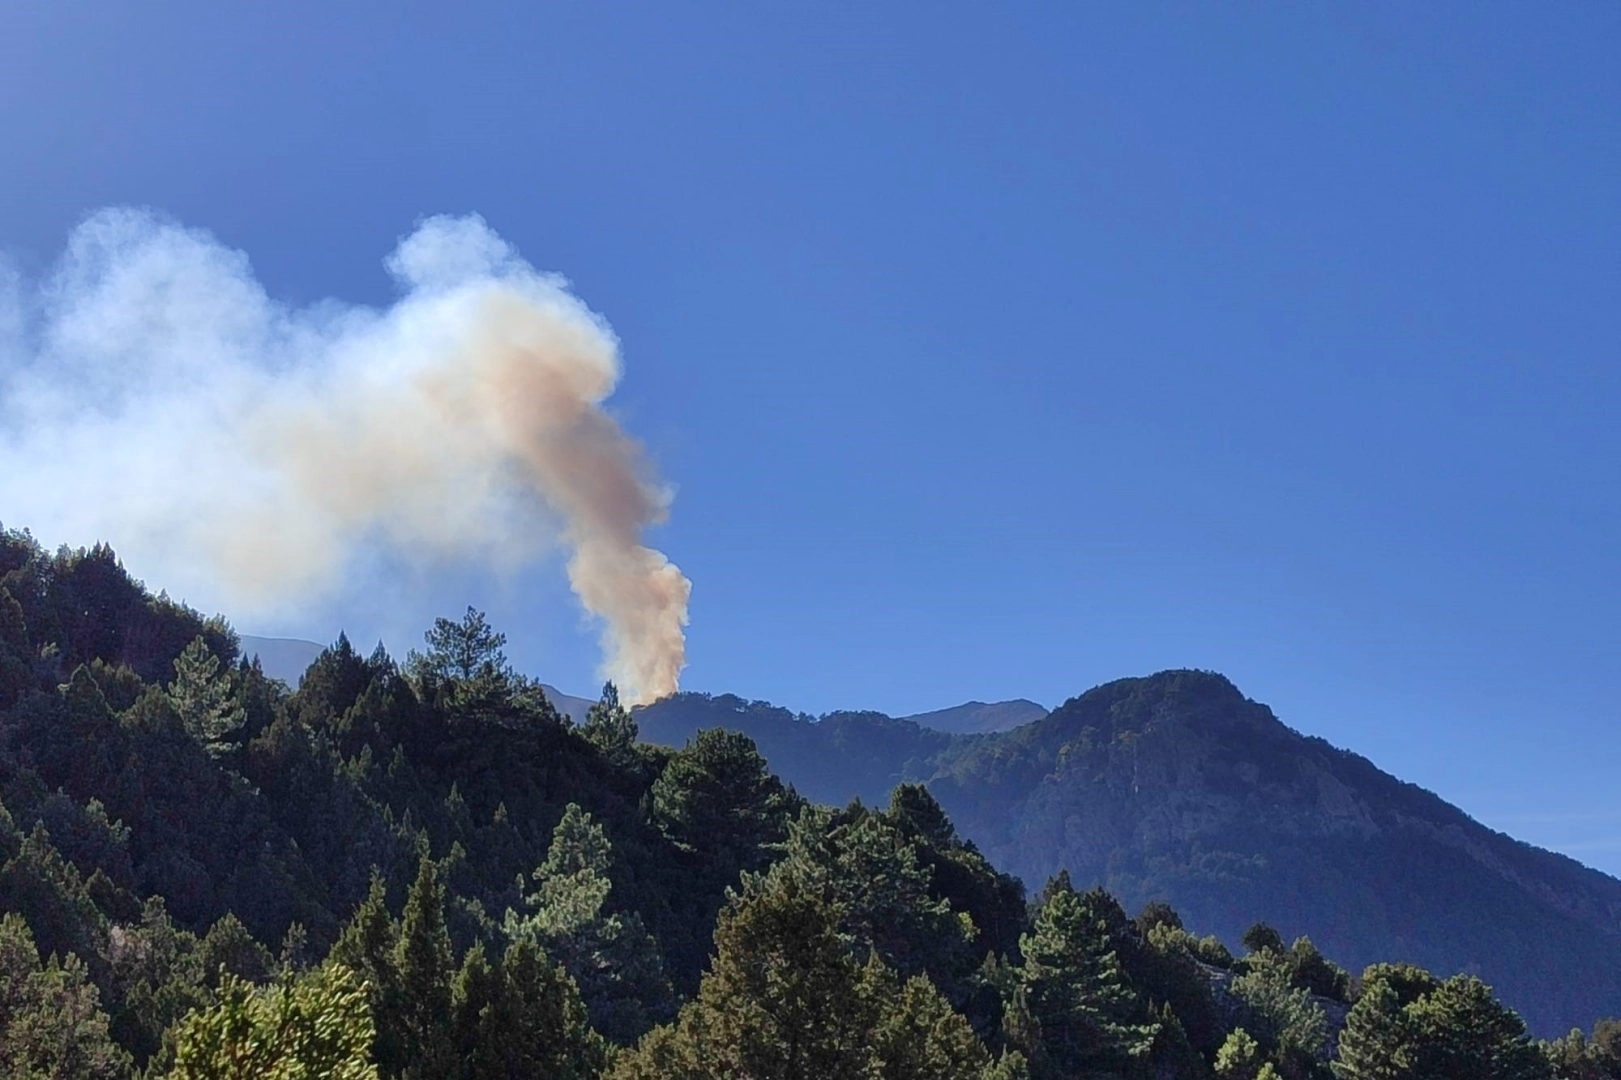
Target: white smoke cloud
column 228, row 445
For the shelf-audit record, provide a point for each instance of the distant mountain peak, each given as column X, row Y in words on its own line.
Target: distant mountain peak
column 281, row 658
column 978, row 717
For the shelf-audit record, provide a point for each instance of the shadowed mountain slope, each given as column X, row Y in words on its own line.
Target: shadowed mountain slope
column 1176, row 787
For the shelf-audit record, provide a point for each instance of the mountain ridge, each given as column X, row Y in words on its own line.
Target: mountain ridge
column 979, row 718
column 1176, row 787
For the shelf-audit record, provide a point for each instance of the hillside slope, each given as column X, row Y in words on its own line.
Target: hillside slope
column 1176, row 787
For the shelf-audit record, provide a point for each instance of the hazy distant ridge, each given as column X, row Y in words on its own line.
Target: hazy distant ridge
column 976, row 717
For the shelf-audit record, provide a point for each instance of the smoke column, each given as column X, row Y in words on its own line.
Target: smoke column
column 154, row 396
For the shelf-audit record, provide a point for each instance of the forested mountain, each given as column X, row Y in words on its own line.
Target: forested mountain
column 1175, row 787
column 418, row 868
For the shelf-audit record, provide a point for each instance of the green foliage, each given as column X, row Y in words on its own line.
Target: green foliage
column 1579, row 1057
column 958, row 873
column 203, row 697
column 156, row 977
column 423, row 966
column 1312, row 971
column 1408, row 1026
column 1460, row 1030
column 51, row 1023
column 314, row 1028
column 1173, row 1053
column 782, row 999
column 468, row 650
column 1292, row 1026
column 228, row 947
column 1157, row 913
column 1262, row 938
column 1373, row 1044
column 918, row 1036
column 785, row 999
column 368, row 947
column 611, row 956
column 1166, row 968
column 868, row 866
column 1409, row 982
column 520, row 1019
column 16, row 652
column 609, row 725
column 50, row 893
column 1240, row 1057
column 437, row 1020
column 716, row 798
column 1073, row 1010
column 465, row 672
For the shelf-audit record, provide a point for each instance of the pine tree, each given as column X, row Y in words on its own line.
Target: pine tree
column 51, row 1023
column 228, row 946
column 918, row 1035
column 609, row 725
column 1291, row 1023
column 423, row 960
column 315, row 1028
column 717, row 797
column 465, row 650
column 1072, row 1011
column 466, row 670
column 1578, row 1057
column 915, row 809
column 366, row 947
column 1261, row 937
column 1372, row 1045
column 204, row 698
column 1461, row 1032
column 866, row 863
column 1240, row 1057
column 782, row 999
column 611, row 957
column 521, row 1019
column 1173, row 1054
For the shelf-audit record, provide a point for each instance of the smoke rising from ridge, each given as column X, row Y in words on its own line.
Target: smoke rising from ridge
column 156, row 397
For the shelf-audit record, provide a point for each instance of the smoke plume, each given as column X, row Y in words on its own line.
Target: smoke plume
column 156, row 397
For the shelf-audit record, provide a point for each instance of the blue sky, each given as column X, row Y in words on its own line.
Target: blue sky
column 994, row 352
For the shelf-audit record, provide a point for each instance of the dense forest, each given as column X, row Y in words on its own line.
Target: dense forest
column 416, row 867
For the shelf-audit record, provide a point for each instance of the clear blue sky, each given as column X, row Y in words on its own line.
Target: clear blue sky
column 996, row 350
